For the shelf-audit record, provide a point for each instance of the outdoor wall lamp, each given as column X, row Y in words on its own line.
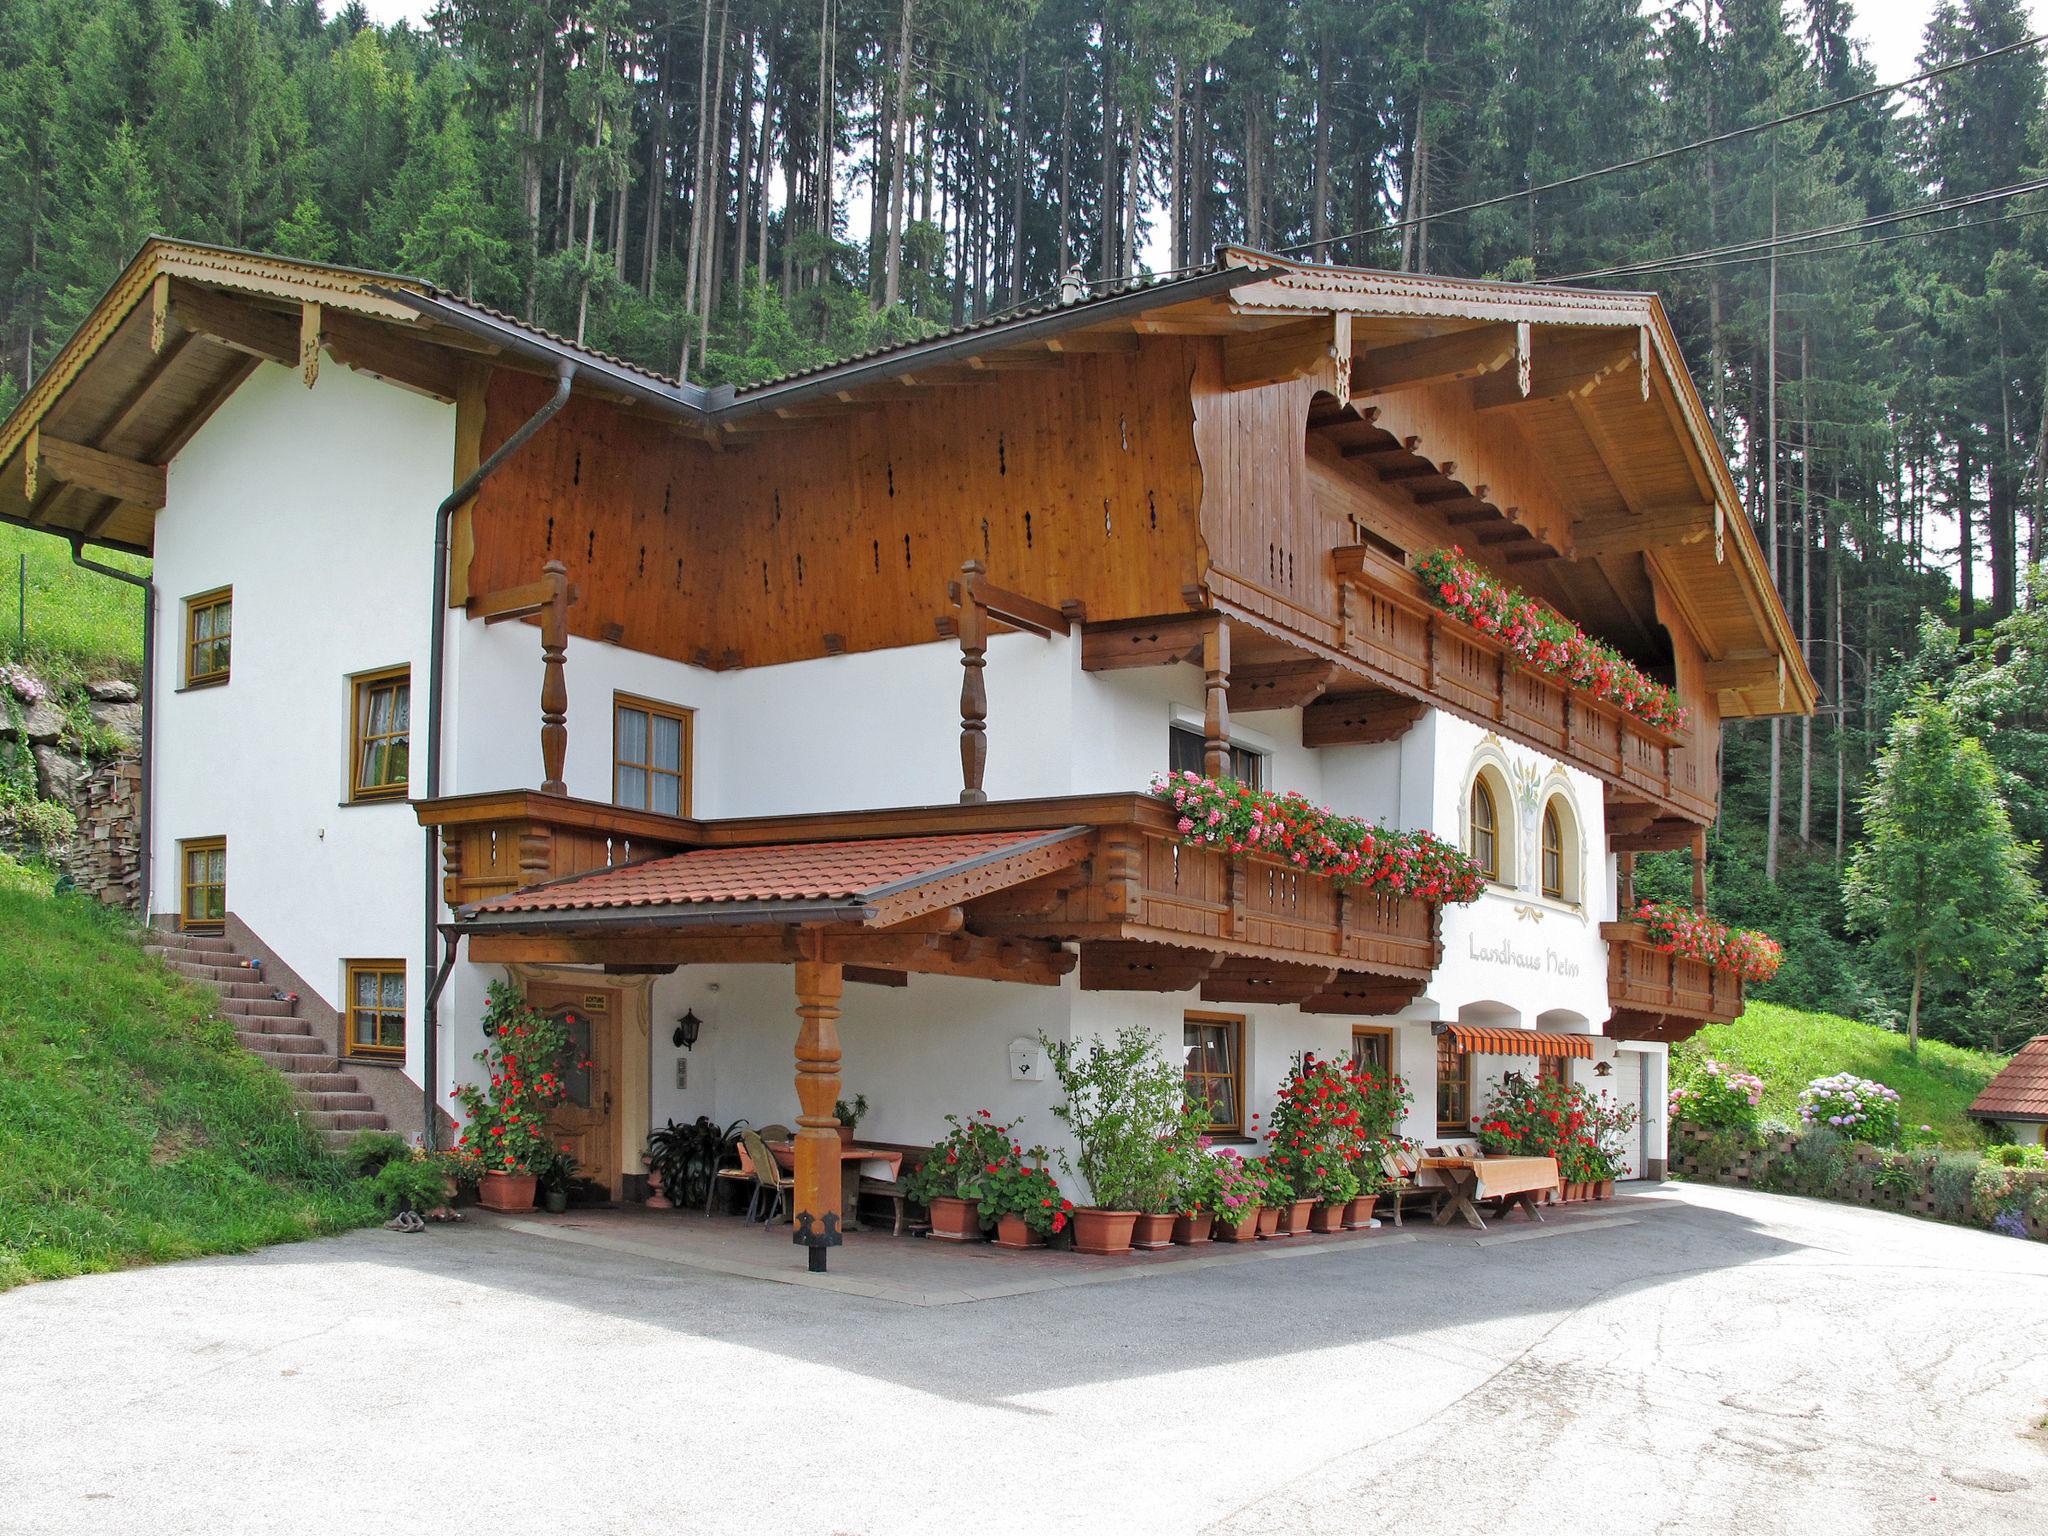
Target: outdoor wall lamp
column 688, row 1027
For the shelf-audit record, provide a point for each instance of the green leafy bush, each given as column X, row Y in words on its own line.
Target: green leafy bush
column 1951, row 1181
column 1719, row 1097
column 411, row 1183
column 368, row 1151
column 1126, row 1106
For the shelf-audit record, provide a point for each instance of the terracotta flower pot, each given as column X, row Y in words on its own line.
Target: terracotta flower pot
column 1012, row 1232
column 1099, row 1231
column 1606, row 1190
column 506, row 1191
column 1237, row 1231
column 1193, row 1227
column 1358, row 1216
column 1269, row 1221
column 1294, row 1217
column 955, row 1220
column 846, row 1135
column 1152, row 1231
column 1328, row 1216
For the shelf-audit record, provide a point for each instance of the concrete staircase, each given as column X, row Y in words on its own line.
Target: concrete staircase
column 331, row 1100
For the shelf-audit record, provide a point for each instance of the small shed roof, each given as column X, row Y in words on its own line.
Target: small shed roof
column 2020, row 1091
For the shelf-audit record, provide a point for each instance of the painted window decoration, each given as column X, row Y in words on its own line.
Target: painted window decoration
column 1553, row 853
column 651, row 757
column 381, row 742
column 209, row 634
column 1214, row 1057
column 1453, row 1087
column 376, row 1007
column 1184, row 755
column 1485, row 829
column 203, row 898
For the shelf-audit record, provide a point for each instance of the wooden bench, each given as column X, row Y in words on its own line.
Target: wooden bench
column 892, row 1190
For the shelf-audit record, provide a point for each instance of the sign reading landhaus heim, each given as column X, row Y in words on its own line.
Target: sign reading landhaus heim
column 1503, row 952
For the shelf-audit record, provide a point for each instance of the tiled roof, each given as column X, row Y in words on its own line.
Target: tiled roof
column 787, row 872
column 2020, row 1091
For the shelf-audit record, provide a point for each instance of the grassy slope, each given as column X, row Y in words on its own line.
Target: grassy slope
column 1788, row 1049
column 92, row 622
column 133, row 1127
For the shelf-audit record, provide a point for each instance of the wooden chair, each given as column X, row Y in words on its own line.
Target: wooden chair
column 775, row 1133
column 892, row 1189
column 769, row 1179
column 1399, row 1168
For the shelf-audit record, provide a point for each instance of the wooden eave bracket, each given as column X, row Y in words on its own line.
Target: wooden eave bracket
column 63, row 463
column 521, row 602
column 1445, row 359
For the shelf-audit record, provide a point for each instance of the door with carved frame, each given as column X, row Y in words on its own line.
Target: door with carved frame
column 586, row 1119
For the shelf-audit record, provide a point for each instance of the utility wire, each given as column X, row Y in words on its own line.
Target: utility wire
column 1682, row 149
column 1767, row 244
column 1861, row 245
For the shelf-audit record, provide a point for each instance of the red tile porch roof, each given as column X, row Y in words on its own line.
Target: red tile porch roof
column 2020, row 1091
column 862, row 871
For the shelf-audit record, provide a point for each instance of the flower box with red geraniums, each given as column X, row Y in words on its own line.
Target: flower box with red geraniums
column 505, row 1123
column 1544, row 639
column 1241, row 820
column 1673, row 928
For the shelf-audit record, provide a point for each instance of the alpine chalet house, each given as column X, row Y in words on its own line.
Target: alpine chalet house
column 830, row 706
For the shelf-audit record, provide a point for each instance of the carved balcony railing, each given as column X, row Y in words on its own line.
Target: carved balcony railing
column 1173, row 916
column 1395, row 635
column 1661, row 996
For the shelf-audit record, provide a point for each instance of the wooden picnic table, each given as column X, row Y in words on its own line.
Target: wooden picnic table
column 854, row 1162
column 1517, row 1180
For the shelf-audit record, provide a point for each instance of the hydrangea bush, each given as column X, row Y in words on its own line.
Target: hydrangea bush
column 1238, row 819
column 1857, row 1107
column 1545, row 639
column 1718, row 1097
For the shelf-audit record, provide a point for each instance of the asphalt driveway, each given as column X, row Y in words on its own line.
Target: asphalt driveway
column 1728, row 1361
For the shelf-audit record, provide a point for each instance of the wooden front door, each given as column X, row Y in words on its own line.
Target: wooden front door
column 585, row 1121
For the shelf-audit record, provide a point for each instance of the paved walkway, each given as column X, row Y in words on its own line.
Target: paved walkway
column 1729, row 1362
column 919, row 1272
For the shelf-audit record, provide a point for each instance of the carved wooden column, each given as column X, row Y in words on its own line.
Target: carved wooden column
column 1216, row 699
column 973, row 687
column 554, row 686
column 1699, row 870
column 1625, row 897
column 815, row 1199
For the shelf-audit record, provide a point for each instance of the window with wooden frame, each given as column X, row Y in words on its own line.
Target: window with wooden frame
column 1485, row 829
column 375, row 1021
column 1453, row 1088
column 380, row 735
column 209, row 627
column 1373, row 1048
column 650, row 756
column 203, row 884
column 1213, row 1062
column 1184, row 754
column 1553, row 853
column 1553, row 1069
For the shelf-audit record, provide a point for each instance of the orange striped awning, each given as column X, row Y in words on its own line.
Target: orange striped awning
column 1489, row 1041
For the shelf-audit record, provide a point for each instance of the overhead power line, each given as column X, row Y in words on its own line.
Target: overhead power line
column 1682, row 149
column 1863, row 245
column 1764, row 246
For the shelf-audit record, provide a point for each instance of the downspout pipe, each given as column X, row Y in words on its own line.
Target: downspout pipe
column 437, row 644
column 142, row 816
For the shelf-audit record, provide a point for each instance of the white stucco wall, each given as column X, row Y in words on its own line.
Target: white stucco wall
column 316, row 506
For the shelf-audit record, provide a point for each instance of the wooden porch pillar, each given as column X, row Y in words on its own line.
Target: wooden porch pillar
column 1699, row 870
column 816, row 1197
column 1625, row 898
column 1216, row 699
column 973, row 686
column 554, row 686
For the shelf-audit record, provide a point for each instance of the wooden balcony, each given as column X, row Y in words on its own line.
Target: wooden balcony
column 1659, row 996
column 1148, row 913
column 1392, row 635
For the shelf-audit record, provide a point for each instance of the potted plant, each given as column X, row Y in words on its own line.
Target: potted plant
column 1125, row 1106
column 1023, row 1203
column 849, row 1116
column 555, row 1179
column 505, row 1122
column 1199, row 1188
column 410, row 1186
column 1334, row 1188
column 1238, row 1194
column 949, row 1182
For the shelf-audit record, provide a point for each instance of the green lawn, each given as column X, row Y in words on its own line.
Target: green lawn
column 1788, row 1049
column 133, row 1127
column 86, row 622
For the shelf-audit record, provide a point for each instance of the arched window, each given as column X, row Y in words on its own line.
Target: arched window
column 1553, row 853
column 1485, row 829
